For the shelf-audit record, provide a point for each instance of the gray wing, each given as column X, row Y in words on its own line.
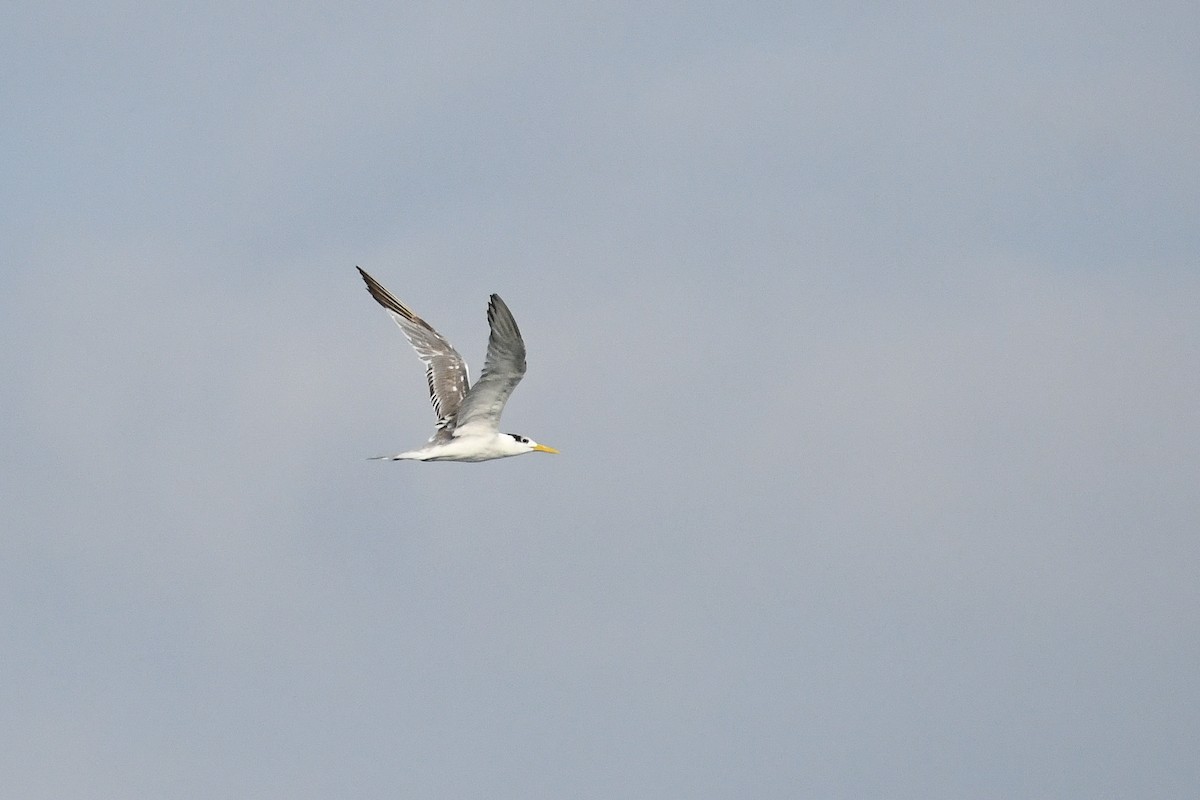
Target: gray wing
column 446, row 372
column 502, row 371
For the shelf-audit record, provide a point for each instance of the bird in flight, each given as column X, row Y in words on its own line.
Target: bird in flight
column 468, row 416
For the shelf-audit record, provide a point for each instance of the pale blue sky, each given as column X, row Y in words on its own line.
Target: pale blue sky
column 869, row 336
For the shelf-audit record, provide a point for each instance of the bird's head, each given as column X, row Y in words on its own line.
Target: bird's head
column 523, row 444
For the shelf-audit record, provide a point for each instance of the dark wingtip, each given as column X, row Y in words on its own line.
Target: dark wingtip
column 494, row 302
column 381, row 295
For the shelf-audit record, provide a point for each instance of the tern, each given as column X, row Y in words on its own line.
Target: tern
column 468, row 416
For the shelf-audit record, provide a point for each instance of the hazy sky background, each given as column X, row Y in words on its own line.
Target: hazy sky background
column 870, row 336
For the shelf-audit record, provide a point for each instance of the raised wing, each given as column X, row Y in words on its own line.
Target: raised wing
column 446, row 372
column 502, row 371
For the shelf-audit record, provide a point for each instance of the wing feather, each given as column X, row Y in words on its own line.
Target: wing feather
column 446, row 372
column 502, row 371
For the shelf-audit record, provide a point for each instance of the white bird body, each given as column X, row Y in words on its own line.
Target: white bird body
column 468, row 416
column 469, row 448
